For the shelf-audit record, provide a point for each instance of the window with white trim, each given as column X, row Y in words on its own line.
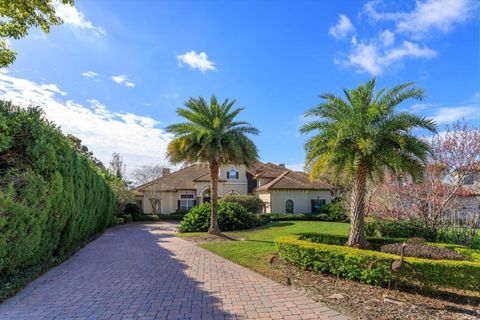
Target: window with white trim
column 232, row 174
column 187, row 201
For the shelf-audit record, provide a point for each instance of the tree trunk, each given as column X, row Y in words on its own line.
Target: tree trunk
column 214, row 229
column 359, row 190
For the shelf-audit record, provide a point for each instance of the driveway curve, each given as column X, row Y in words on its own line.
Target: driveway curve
column 142, row 271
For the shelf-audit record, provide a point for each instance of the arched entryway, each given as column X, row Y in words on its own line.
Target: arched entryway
column 206, row 197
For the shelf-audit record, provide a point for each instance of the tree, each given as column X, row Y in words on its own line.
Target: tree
column 146, row 174
column 19, row 16
column 361, row 137
column 82, row 149
column 116, row 165
column 212, row 136
column 434, row 198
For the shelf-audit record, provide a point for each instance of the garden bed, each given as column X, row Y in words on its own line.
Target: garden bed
column 375, row 267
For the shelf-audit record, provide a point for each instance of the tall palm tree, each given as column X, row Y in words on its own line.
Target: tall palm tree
column 361, row 137
column 212, row 136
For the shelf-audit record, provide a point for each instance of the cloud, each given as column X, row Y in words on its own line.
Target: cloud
column 196, row 61
column 376, row 56
column 76, row 19
column 123, row 79
column 343, row 28
column 427, row 16
column 137, row 138
column 90, row 74
column 448, row 115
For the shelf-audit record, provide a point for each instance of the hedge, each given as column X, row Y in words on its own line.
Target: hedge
column 52, row 197
column 354, row 264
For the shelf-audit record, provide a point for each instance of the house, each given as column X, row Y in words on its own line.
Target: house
column 282, row 190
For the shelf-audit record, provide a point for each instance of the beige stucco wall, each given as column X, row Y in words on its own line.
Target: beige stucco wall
column 169, row 201
column 265, row 197
column 301, row 200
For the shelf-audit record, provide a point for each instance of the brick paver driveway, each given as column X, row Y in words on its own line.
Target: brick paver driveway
column 142, row 271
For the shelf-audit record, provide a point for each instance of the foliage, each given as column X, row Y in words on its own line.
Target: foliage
column 52, row 198
column 174, row 216
column 118, row 220
column 213, row 136
column 123, row 194
column 132, row 209
column 127, row 218
column 362, row 136
column 252, row 203
column 19, row 16
column 440, row 199
column 397, row 228
column 374, row 243
column 374, row 267
column 328, row 212
column 231, row 216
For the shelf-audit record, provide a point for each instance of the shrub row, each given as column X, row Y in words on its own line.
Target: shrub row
column 231, row 216
column 250, row 202
column 373, row 242
column 52, row 198
column 328, row 212
column 375, row 267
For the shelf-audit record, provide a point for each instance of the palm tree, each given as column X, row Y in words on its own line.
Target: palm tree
column 361, row 137
column 212, row 136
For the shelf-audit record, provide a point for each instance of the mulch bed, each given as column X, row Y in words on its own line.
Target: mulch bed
column 423, row 251
column 363, row 301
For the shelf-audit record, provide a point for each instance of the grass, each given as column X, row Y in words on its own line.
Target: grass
column 255, row 251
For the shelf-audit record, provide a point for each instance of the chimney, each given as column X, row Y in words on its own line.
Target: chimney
column 165, row 171
column 282, row 165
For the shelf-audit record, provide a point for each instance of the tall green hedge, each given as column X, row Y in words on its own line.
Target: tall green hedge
column 52, row 198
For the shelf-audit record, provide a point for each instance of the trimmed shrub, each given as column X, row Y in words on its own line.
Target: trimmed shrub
column 231, row 216
column 133, row 209
column 172, row 216
column 373, row 242
column 127, row 218
column 297, row 216
column 118, row 220
column 52, row 197
column 251, row 203
column 374, row 267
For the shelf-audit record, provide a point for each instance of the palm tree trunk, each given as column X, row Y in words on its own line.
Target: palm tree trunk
column 214, row 229
column 359, row 190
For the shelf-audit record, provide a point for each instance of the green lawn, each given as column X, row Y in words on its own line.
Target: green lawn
column 258, row 247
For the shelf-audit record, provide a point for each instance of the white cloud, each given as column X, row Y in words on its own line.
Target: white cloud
column 137, row 138
column 448, row 115
column 387, row 37
column 196, row 61
column 90, row 74
column 343, row 28
column 375, row 58
column 427, row 16
column 296, row 166
column 123, row 79
column 76, row 19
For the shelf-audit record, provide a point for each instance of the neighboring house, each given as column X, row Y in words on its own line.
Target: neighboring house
column 467, row 201
column 282, row 190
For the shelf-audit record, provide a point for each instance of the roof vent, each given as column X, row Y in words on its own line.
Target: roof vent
column 282, row 165
column 165, row 171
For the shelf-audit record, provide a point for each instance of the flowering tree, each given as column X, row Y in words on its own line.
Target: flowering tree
column 439, row 193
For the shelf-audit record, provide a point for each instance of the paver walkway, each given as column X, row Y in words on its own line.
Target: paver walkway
column 142, row 271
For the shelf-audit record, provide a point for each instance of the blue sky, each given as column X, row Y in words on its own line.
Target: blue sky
column 114, row 72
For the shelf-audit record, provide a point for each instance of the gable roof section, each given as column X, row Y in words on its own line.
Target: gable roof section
column 206, row 178
column 269, row 170
column 183, row 179
column 293, row 180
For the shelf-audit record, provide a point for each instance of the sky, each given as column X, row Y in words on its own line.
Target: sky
column 116, row 71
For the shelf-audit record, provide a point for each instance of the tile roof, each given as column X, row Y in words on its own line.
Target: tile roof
column 182, row 179
column 293, row 180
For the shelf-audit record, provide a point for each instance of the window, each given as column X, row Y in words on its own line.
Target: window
column 469, row 180
column 317, row 204
column 186, row 202
column 232, row 174
column 289, row 206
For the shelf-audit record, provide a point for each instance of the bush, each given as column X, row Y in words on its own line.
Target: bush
column 397, row 229
column 172, row 216
column 148, row 217
column 52, row 197
column 127, row 218
column 118, row 220
column 335, row 211
column 251, row 203
column 374, row 267
column 298, row 216
column 373, row 242
column 231, row 216
column 133, row 209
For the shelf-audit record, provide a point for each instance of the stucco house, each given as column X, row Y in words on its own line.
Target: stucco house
column 281, row 189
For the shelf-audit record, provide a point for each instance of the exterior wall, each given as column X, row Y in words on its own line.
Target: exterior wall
column 262, row 181
column 265, row 197
column 301, row 200
column 169, row 201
